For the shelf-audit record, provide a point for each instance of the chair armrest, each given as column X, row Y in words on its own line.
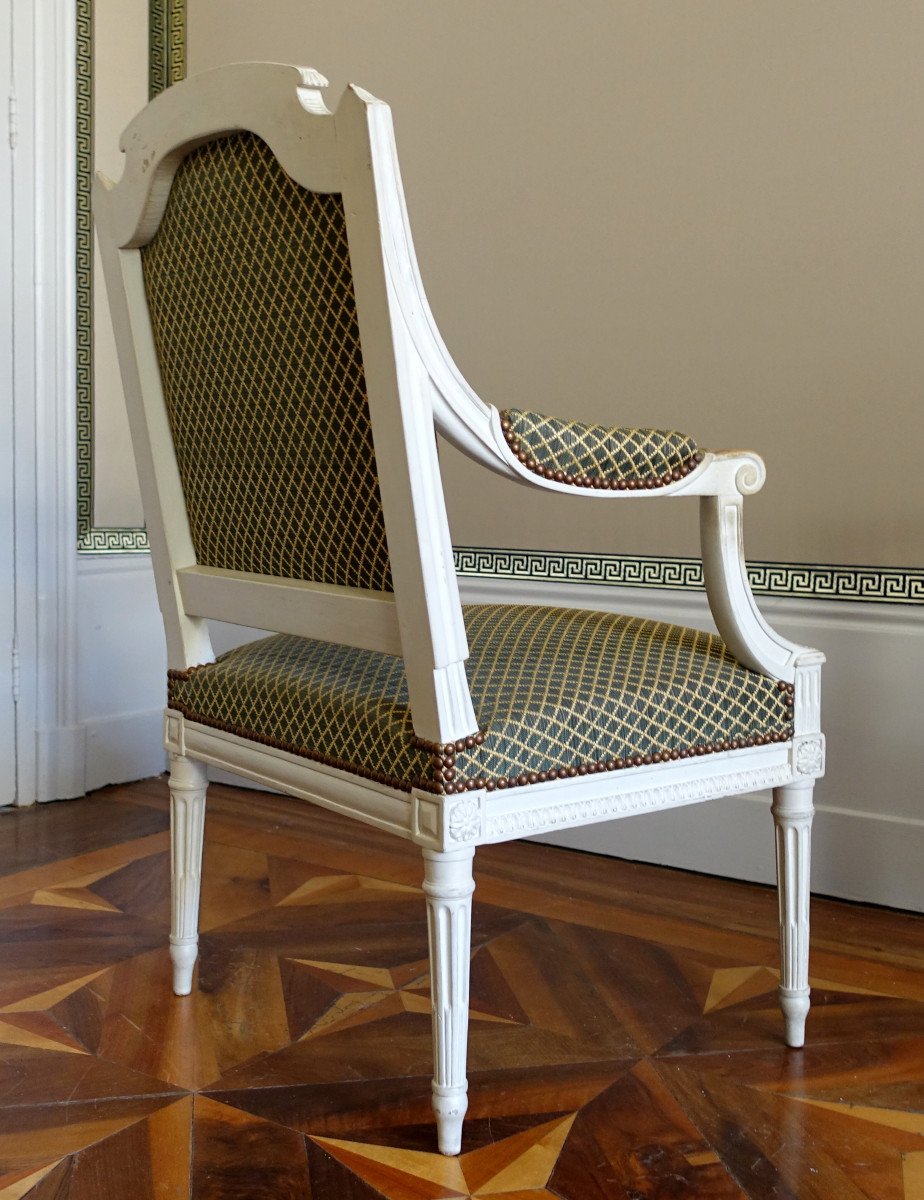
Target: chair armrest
column 615, row 461
column 612, row 461
column 615, row 458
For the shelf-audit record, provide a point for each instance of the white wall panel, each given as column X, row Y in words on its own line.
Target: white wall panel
column 7, row 506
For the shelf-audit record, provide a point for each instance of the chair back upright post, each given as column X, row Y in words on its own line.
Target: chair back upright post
column 401, row 406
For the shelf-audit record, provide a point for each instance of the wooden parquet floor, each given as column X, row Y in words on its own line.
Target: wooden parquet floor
column 625, row 1040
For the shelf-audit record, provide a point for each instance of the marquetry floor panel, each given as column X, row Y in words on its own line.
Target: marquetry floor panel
column 625, row 1038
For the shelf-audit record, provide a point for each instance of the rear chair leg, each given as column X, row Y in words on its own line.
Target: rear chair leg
column 448, row 886
column 792, row 813
column 188, row 784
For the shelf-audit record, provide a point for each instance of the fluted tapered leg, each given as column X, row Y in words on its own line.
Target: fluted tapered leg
column 188, row 784
column 792, row 814
column 448, row 885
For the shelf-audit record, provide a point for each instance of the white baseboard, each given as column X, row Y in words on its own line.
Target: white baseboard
column 856, row 856
column 61, row 755
column 123, row 748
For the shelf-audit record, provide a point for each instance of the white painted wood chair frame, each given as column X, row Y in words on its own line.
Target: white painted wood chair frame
column 412, row 384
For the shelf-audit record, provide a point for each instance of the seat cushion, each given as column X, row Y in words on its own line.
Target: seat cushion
column 557, row 692
column 616, row 457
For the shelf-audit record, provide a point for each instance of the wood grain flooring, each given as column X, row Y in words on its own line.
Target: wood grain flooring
column 625, row 1039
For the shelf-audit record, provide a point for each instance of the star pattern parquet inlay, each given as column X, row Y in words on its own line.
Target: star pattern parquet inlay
column 625, row 1040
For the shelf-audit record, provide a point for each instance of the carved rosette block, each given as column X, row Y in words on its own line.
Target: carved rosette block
column 448, row 886
column 809, row 755
column 188, row 785
column 465, row 820
column 792, row 813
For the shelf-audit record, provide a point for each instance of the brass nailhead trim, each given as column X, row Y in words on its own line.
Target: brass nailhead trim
column 788, row 689
column 176, row 675
column 327, row 760
column 441, row 781
column 525, row 779
column 614, row 483
column 443, row 761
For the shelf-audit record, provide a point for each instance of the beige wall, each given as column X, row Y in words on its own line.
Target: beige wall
column 704, row 215
column 120, row 89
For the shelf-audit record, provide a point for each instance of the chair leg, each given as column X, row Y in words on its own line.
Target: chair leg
column 188, row 784
column 448, row 886
column 792, row 814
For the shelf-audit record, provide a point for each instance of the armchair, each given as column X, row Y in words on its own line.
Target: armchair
column 284, row 377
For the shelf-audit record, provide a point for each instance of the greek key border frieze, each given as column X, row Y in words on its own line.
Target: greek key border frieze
column 166, row 65
column 167, row 44
column 882, row 585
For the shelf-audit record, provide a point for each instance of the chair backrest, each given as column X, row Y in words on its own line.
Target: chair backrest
column 250, row 293
column 281, row 413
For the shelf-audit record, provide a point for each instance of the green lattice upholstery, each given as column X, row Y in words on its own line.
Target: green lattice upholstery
column 251, row 300
column 597, row 455
column 556, row 691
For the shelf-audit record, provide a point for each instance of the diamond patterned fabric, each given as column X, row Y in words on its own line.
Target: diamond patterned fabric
column 254, row 318
column 550, row 444
column 554, row 690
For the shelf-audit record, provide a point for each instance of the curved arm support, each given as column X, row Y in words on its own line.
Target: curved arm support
column 461, row 416
column 734, row 611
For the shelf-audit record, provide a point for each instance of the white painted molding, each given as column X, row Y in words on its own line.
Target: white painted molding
column 121, row 748
column 61, row 754
column 865, row 856
column 691, row 607
column 121, row 667
column 44, row 395
column 8, row 782
column 524, row 816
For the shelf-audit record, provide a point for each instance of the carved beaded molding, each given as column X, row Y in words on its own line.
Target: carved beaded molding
column 620, row 483
column 534, row 820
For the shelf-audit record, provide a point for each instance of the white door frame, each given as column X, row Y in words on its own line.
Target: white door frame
column 8, row 757
column 39, row 259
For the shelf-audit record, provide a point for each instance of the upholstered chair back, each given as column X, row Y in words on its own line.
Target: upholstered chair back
column 251, row 299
